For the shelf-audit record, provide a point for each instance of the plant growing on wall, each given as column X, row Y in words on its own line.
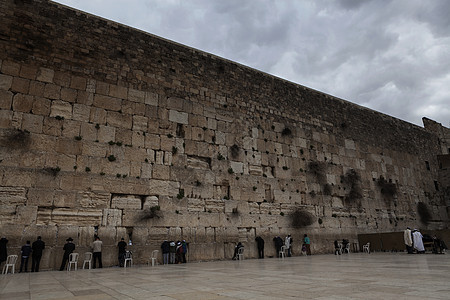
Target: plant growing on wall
column 318, row 170
column 301, row 218
column 52, row 171
column 327, row 190
column 424, row 213
column 388, row 189
column 180, row 194
column 286, row 132
column 234, row 151
column 150, row 213
column 15, row 138
column 352, row 180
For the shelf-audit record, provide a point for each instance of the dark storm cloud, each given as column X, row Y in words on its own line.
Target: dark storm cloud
column 391, row 56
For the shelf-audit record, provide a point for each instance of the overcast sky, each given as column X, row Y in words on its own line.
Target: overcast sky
column 389, row 55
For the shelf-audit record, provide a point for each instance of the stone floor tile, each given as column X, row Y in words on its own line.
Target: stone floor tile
column 355, row 276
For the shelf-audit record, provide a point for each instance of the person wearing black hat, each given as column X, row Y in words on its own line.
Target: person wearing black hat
column 69, row 247
column 36, row 255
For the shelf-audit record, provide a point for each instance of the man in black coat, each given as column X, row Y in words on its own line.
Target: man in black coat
column 278, row 244
column 260, row 242
column 36, row 256
column 3, row 251
column 69, row 247
column 122, row 250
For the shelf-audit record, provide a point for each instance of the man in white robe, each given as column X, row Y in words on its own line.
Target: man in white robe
column 408, row 240
column 418, row 243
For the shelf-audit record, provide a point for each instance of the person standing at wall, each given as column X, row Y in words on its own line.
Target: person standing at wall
column 3, row 251
column 25, row 255
column 165, row 249
column 337, row 249
column 122, row 250
column 68, row 248
column 418, row 242
column 260, row 243
column 97, row 252
column 185, row 250
column 38, row 246
column 408, row 240
column 172, row 252
column 307, row 243
column 288, row 244
column 278, row 244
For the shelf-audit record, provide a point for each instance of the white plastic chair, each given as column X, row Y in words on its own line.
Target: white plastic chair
column 346, row 249
column 240, row 254
column 366, row 248
column 87, row 259
column 282, row 253
column 154, row 257
column 128, row 258
column 10, row 262
column 73, row 260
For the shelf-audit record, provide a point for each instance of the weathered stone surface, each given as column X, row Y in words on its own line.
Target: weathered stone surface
column 45, row 75
column 126, row 202
column 112, row 217
column 226, row 152
column 61, row 109
column 12, row 195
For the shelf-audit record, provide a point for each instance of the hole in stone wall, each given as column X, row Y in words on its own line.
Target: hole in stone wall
column 130, row 235
column 180, row 131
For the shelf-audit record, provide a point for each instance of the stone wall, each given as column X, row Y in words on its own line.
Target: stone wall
column 101, row 125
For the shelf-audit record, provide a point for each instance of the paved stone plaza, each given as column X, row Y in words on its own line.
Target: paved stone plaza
column 354, row 276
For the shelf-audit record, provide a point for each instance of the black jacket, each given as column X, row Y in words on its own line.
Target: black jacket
column 68, row 248
column 37, row 247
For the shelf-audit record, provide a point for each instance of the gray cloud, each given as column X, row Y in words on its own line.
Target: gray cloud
column 391, row 56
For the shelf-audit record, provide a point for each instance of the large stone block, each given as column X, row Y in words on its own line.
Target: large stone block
column 32, row 123
column 40, row 197
column 41, row 106
column 5, row 82
column 161, row 172
column 126, row 202
column 61, row 109
column 108, row 103
column 178, row 117
column 119, row 120
column 136, row 96
column 12, row 195
column 112, row 217
column 45, row 75
column 22, row 103
column 95, row 200
column 116, row 91
column 81, row 112
column 5, row 99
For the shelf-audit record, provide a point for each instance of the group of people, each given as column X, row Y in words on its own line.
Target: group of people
column 174, row 252
column 34, row 250
column 339, row 248
column 287, row 243
column 414, row 242
column 278, row 242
